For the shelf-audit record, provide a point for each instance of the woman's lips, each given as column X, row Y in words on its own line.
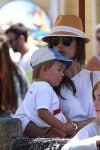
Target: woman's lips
column 62, row 52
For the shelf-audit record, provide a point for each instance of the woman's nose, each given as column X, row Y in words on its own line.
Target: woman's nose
column 60, row 43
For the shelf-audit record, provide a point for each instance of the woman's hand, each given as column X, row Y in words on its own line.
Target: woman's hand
column 83, row 123
column 70, row 128
column 53, row 133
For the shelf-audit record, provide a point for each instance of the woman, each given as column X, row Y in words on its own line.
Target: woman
column 68, row 38
column 13, row 81
column 88, row 137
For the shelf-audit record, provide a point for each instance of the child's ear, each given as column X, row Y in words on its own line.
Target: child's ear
column 44, row 68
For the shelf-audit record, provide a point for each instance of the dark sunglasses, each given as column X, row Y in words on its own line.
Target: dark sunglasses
column 54, row 41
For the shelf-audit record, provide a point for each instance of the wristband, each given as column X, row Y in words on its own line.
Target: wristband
column 76, row 125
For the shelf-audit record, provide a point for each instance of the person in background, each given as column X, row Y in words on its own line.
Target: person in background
column 41, row 104
column 13, row 81
column 88, row 138
column 68, row 38
column 93, row 63
column 18, row 39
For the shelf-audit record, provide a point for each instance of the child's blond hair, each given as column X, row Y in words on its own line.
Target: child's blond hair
column 36, row 69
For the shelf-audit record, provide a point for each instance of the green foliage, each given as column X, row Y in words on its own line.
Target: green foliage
column 29, row 75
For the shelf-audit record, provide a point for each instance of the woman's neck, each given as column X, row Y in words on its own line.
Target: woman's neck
column 73, row 70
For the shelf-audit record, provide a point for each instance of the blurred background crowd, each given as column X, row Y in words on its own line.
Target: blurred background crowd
column 38, row 16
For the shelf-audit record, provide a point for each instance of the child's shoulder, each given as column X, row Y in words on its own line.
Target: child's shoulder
column 41, row 85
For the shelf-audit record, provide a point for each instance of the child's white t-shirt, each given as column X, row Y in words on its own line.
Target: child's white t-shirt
column 40, row 95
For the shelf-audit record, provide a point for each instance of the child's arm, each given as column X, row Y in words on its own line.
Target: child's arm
column 46, row 116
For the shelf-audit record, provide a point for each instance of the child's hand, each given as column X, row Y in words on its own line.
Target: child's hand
column 70, row 128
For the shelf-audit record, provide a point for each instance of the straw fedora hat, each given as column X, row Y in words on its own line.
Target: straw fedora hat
column 67, row 25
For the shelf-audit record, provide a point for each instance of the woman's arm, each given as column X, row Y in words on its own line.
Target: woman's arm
column 34, row 131
column 83, row 123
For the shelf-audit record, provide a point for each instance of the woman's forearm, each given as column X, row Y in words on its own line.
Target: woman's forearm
column 34, row 131
column 83, row 123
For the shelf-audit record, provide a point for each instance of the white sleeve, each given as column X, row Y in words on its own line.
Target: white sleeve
column 85, row 144
column 43, row 99
column 85, row 139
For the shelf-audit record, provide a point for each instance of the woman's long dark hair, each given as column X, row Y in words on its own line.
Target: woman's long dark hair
column 8, row 69
column 69, row 83
column 80, row 54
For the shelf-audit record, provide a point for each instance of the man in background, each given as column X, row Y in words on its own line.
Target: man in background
column 18, row 38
